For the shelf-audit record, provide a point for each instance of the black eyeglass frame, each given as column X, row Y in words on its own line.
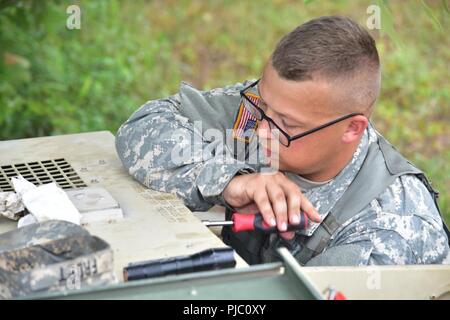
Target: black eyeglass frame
column 288, row 137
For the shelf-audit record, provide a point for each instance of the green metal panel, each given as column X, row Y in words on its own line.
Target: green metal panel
column 269, row 281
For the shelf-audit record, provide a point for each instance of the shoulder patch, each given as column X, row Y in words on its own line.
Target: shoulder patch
column 245, row 124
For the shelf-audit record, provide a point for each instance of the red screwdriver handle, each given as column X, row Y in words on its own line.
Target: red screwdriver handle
column 251, row 222
column 243, row 222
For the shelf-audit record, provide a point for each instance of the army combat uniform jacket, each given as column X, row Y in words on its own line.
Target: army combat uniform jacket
column 167, row 145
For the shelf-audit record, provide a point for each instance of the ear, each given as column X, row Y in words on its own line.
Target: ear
column 355, row 129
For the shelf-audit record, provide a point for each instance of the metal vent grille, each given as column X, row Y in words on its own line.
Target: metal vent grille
column 41, row 172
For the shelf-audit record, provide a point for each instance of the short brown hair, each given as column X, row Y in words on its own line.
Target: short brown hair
column 338, row 50
column 329, row 46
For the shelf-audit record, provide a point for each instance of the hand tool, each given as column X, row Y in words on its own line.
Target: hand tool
column 254, row 222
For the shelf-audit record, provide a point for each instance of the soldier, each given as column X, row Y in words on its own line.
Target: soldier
column 309, row 114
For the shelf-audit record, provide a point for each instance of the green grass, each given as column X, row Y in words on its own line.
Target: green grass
column 55, row 81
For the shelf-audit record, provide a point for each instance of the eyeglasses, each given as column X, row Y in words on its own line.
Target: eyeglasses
column 284, row 138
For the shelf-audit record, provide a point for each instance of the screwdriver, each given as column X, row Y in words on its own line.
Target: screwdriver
column 254, row 222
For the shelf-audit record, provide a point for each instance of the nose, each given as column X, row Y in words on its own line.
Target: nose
column 264, row 130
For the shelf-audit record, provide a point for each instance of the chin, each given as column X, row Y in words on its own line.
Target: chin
column 291, row 168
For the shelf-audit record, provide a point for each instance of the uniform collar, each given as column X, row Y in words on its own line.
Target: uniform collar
column 326, row 195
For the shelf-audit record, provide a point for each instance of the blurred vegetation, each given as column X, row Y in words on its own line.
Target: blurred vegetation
column 54, row 80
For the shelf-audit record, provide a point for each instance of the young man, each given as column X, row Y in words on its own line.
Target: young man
column 311, row 109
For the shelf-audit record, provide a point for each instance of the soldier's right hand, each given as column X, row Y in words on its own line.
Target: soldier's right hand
column 276, row 197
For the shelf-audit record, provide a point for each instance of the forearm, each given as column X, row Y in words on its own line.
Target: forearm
column 196, row 170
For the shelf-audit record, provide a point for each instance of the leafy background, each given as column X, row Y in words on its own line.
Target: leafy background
column 56, row 81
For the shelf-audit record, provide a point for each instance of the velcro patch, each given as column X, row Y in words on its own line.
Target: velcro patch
column 245, row 124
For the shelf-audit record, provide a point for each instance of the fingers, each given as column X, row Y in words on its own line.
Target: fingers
column 293, row 197
column 309, row 209
column 265, row 208
column 298, row 202
column 278, row 200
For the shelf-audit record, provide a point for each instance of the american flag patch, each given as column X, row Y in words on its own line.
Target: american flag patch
column 245, row 124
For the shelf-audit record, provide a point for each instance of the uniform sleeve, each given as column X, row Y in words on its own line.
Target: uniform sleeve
column 164, row 151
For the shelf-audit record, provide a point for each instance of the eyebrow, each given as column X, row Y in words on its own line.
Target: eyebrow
column 260, row 97
column 286, row 117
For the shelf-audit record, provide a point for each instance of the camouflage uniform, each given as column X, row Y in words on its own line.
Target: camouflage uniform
column 400, row 226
